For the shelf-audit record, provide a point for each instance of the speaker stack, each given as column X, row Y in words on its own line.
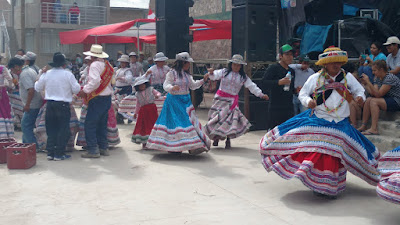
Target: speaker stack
column 254, row 26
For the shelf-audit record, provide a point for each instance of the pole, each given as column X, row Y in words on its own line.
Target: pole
column 138, row 39
column 23, row 24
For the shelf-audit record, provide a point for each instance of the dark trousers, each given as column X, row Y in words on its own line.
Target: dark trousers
column 96, row 123
column 58, row 133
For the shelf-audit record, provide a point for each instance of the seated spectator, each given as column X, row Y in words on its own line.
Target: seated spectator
column 73, row 13
column 366, row 60
column 385, row 96
column 393, row 59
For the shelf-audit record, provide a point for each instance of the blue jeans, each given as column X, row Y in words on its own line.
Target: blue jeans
column 368, row 71
column 297, row 106
column 96, row 123
column 58, row 115
column 27, row 125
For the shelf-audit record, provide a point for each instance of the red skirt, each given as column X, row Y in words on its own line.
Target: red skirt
column 144, row 124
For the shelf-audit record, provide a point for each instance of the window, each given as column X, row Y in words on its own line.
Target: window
column 50, row 42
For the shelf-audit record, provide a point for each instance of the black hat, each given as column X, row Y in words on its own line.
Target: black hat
column 58, row 60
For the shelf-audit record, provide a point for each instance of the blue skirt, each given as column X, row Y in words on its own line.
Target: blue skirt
column 177, row 128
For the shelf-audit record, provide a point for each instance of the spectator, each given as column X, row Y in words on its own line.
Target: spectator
column 393, row 59
column 78, row 60
column 144, row 62
column 366, row 60
column 31, row 99
column 385, row 96
column 30, row 59
column 57, row 10
column 73, row 13
column 150, row 62
column 281, row 101
column 303, row 72
column 21, row 52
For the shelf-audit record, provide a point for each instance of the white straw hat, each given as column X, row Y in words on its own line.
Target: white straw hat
column 132, row 54
column 238, row 59
column 88, row 58
column 96, row 51
column 124, row 58
column 184, row 56
column 160, row 57
column 140, row 80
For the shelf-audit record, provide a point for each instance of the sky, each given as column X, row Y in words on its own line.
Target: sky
column 130, row 3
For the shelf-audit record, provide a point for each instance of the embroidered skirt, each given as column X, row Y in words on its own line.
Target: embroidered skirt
column 144, row 124
column 112, row 129
column 6, row 120
column 319, row 153
column 40, row 132
column 389, row 185
column 16, row 107
column 225, row 122
column 177, row 128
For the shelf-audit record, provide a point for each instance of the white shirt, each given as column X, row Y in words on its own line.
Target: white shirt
column 334, row 99
column 158, row 74
column 93, row 79
column 126, row 75
column 58, row 84
column 185, row 83
column 233, row 82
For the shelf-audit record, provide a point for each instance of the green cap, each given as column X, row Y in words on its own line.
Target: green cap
column 286, row 48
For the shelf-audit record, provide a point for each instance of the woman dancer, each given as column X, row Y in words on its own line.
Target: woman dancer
column 389, row 167
column 177, row 128
column 124, row 80
column 157, row 73
column 319, row 145
column 6, row 121
column 224, row 118
column 146, row 111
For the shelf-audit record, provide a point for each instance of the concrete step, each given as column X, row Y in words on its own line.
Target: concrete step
column 389, row 116
column 384, row 143
column 389, row 128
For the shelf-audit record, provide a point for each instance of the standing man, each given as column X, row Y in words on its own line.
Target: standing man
column 31, row 99
column 393, row 59
column 73, row 13
column 59, row 85
column 274, row 81
column 30, row 59
column 97, row 95
column 303, row 72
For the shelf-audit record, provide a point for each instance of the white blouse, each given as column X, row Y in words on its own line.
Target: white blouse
column 126, row 75
column 158, row 74
column 334, row 99
column 233, row 82
column 137, row 69
column 185, row 83
column 6, row 76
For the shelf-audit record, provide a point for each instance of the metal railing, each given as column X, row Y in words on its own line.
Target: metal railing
column 66, row 14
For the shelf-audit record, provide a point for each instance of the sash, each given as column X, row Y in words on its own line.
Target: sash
column 326, row 90
column 226, row 95
column 106, row 77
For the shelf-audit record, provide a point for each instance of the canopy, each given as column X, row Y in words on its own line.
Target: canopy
column 145, row 29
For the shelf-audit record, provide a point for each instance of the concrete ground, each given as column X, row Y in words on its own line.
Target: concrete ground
column 133, row 186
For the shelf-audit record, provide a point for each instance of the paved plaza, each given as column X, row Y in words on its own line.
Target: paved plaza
column 133, row 186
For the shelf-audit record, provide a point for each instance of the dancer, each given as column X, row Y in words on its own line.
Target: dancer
column 224, row 118
column 6, row 121
column 124, row 80
column 389, row 167
column 146, row 111
column 157, row 73
column 319, row 145
column 177, row 128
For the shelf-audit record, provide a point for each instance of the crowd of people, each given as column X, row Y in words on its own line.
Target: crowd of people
column 310, row 136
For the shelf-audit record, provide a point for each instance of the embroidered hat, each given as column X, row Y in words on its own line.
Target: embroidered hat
column 331, row 55
column 132, row 54
column 140, row 80
column 238, row 59
column 124, row 58
column 29, row 56
column 392, row 40
column 96, row 51
column 160, row 57
column 184, row 56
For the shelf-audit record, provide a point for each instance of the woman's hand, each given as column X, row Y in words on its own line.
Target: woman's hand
column 360, row 101
column 265, row 97
column 206, row 76
column 175, row 88
column 312, row 104
column 134, row 116
column 364, row 78
column 149, row 72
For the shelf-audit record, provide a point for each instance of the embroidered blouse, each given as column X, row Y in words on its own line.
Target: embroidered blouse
column 185, row 83
column 137, row 69
column 5, row 76
column 158, row 74
column 233, row 82
column 333, row 100
column 145, row 97
column 126, row 75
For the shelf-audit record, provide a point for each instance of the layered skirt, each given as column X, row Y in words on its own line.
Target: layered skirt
column 127, row 106
column 40, row 131
column 389, row 185
column 6, row 120
column 319, row 153
column 177, row 128
column 225, row 120
column 112, row 129
column 17, row 107
column 144, row 124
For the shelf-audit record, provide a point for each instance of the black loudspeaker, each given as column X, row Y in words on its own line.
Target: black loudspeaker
column 253, row 2
column 172, row 26
column 323, row 12
column 254, row 31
